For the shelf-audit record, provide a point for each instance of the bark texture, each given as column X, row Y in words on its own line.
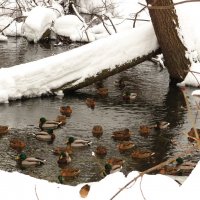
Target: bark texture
column 165, row 24
column 70, row 86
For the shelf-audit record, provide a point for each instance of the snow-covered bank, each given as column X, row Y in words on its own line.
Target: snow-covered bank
column 152, row 187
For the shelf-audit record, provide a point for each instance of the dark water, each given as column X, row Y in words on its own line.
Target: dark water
column 155, row 101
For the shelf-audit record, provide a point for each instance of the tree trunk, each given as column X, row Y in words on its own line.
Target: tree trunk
column 166, row 27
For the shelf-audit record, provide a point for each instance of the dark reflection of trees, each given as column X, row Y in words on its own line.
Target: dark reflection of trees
column 175, row 110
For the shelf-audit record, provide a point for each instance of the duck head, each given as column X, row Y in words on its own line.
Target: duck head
column 42, row 120
column 71, row 140
column 22, row 156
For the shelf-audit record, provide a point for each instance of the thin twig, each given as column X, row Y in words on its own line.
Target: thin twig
column 36, row 193
column 170, row 160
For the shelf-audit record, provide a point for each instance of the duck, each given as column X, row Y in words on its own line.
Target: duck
column 125, row 146
column 26, row 162
column 17, row 144
column 124, row 134
column 101, row 150
column 161, row 125
column 68, row 173
column 78, row 142
column 91, row 103
column 97, row 131
column 144, row 130
column 102, row 91
column 61, row 119
column 66, row 110
column 3, row 129
column 142, row 154
column 67, row 149
column 127, row 95
column 45, row 124
column 84, row 190
column 47, row 135
column 115, row 161
column 64, row 159
column 109, row 169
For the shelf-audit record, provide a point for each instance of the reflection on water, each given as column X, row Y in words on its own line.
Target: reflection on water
column 155, row 101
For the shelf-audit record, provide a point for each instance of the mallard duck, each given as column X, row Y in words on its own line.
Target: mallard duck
column 192, row 136
column 102, row 91
column 144, row 130
column 161, row 125
column 84, row 190
column 91, row 103
column 115, row 161
column 45, row 124
column 125, row 145
column 101, row 151
column 3, row 130
column 47, row 136
column 64, row 159
column 68, row 173
column 66, row 110
column 121, row 134
column 58, row 150
column 17, row 144
column 25, row 161
column 127, row 95
column 142, row 154
column 78, row 142
column 61, row 119
column 97, row 131
column 110, row 169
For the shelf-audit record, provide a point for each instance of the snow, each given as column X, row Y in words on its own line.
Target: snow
column 42, row 76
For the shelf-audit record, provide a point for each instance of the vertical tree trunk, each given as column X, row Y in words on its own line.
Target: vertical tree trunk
column 166, row 26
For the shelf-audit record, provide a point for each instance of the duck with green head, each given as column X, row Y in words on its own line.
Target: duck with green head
column 45, row 124
column 25, row 161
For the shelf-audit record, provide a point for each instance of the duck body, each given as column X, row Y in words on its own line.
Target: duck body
column 47, row 136
column 127, row 96
column 162, row 125
column 17, row 144
column 138, row 154
column 67, row 149
column 61, row 119
column 64, row 159
column 101, row 151
column 26, row 162
column 121, row 134
column 144, row 130
column 68, row 173
column 91, row 103
column 3, row 130
column 97, row 131
column 47, row 124
column 66, row 110
column 78, row 142
column 125, row 146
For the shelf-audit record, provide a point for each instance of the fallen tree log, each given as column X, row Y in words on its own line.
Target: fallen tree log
column 79, row 67
column 105, row 73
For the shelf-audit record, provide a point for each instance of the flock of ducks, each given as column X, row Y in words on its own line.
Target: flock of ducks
column 113, row 164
